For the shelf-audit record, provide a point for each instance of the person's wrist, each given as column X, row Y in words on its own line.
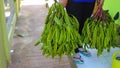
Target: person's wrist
column 63, row 2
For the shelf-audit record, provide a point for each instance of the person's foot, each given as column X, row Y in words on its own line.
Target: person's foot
column 77, row 58
column 84, row 52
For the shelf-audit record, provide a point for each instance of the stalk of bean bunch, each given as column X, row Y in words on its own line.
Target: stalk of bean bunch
column 99, row 30
column 60, row 35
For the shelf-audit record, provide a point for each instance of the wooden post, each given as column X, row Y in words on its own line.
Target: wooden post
column 4, row 46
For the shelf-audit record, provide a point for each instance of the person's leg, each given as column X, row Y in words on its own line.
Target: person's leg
column 87, row 9
column 78, row 59
column 74, row 9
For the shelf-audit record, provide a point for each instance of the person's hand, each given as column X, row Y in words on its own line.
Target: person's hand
column 64, row 2
column 100, row 4
column 99, row 9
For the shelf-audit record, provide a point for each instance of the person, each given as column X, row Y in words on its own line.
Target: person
column 81, row 9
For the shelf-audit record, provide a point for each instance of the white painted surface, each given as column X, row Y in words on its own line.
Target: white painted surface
column 103, row 61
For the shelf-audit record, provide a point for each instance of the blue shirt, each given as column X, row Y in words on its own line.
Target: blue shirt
column 84, row 0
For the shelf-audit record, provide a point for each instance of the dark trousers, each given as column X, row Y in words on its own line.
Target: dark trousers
column 81, row 11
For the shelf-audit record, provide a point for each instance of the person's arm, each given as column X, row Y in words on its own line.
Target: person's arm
column 101, row 2
column 64, row 2
column 98, row 7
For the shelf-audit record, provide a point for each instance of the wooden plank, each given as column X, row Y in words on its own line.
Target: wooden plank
column 4, row 51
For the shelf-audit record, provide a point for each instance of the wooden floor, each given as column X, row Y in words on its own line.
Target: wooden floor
column 28, row 29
